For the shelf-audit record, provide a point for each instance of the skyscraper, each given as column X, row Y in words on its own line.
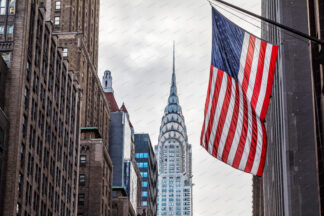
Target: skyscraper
column 174, row 159
column 42, row 100
column 293, row 176
column 146, row 161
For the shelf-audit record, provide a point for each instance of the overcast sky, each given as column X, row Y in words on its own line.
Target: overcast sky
column 135, row 44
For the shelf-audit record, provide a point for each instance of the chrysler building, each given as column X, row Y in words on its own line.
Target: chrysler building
column 174, row 159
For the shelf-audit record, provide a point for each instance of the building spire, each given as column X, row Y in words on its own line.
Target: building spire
column 173, row 101
column 173, row 90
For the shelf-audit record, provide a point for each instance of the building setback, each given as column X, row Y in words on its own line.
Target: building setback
column 174, row 159
column 147, row 164
column 292, row 181
column 76, row 24
column 41, row 102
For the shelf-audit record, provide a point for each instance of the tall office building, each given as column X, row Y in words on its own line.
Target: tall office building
column 293, row 177
column 42, row 100
column 174, row 159
column 146, row 161
column 76, row 25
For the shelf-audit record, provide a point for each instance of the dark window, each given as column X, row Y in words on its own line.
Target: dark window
column 81, row 200
column 24, row 126
column 26, row 94
column 83, row 160
column 22, row 155
column 82, row 179
column 27, row 69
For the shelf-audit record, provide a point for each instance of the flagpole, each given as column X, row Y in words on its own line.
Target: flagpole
column 316, row 40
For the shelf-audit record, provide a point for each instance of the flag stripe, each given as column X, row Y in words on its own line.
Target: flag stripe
column 270, row 79
column 252, row 149
column 238, row 129
column 258, row 78
column 263, row 154
column 218, row 109
column 233, row 124
column 258, row 152
column 265, row 75
column 218, row 82
column 254, row 67
column 207, row 104
column 243, row 134
column 248, row 64
column 223, row 114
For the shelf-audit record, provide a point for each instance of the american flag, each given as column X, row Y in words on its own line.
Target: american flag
column 240, row 85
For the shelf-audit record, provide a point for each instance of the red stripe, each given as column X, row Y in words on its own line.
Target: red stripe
column 264, row 152
column 248, row 64
column 233, row 125
column 223, row 114
column 240, row 147
column 258, row 78
column 218, row 84
column 270, row 81
column 254, row 141
column 207, row 102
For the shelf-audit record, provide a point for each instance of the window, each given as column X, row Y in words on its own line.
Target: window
column 82, row 179
column 145, row 155
column 137, row 155
column 83, row 160
column 10, row 29
column 81, row 200
column 144, row 184
column 65, row 52
column 57, row 21
column 3, row 4
column 2, row 32
column 144, row 194
column 12, row 7
column 144, row 174
column 58, row 5
column 145, row 164
column 144, row 203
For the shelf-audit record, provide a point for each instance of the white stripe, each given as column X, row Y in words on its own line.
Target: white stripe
column 264, row 82
column 254, row 69
column 228, row 120
column 218, row 110
column 211, row 94
column 247, row 145
column 258, row 151
column 239, row 126
column 245, row 47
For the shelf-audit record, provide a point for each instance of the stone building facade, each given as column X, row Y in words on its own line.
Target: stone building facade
column 41, row 102
column 292, row 183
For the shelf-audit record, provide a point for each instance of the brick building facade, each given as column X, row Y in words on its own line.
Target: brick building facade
column 42, row 102
column 76, row 24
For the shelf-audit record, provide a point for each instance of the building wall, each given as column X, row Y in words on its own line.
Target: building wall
column 144, row 155
column 316, row 29
column 290, row 173
column 42, row 163
column 4, row 127
column 97, row 171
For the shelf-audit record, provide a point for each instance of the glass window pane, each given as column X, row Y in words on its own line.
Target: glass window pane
column 2, row 32
column 3, row 4
column 58, row 5
column 10, row 29
column 12, row 7
column 145, row 155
